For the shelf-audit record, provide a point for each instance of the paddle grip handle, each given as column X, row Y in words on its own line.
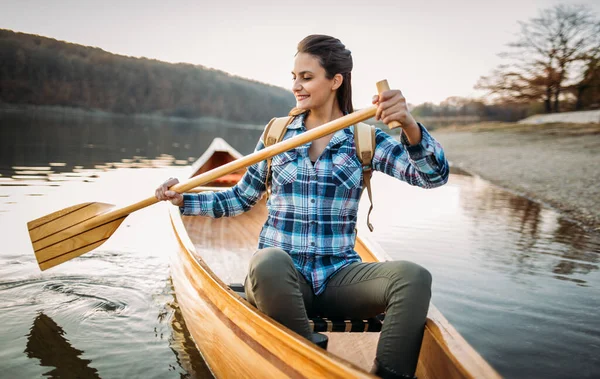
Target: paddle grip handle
column 382, row 86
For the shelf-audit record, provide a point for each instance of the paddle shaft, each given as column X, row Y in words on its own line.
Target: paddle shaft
column 278, row 148
column 209, row 176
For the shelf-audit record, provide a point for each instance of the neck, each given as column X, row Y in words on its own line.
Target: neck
column 322, row 115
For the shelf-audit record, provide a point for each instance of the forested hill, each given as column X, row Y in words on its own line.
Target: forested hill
column 44, row 71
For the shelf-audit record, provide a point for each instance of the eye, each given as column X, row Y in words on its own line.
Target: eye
column 306, row 78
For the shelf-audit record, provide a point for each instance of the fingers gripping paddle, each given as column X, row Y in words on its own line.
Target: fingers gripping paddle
column 71, row 232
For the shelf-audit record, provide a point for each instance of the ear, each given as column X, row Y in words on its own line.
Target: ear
column 338, row 79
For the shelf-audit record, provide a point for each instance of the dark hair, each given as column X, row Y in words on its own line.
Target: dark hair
column 335, row 59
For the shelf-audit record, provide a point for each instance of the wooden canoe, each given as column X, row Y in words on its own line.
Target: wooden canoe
column 238, row 341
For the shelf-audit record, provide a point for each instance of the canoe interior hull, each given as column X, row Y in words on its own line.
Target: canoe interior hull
column 234, row 338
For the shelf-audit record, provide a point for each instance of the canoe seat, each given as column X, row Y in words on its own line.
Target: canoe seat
column 318, row 324
column 374, row 324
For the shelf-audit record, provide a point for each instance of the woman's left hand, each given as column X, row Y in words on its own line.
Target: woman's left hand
column 392, row 107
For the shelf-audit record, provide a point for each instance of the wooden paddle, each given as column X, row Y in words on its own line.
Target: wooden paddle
column 71, row 232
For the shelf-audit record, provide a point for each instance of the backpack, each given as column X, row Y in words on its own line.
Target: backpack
column 364, row 141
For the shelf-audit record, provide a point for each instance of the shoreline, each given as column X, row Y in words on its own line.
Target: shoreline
column 557, row 165
column 67, row 111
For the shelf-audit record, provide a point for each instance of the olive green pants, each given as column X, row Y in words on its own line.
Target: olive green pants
column 361, row 290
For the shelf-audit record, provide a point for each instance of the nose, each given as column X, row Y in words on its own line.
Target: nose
column 296, row 86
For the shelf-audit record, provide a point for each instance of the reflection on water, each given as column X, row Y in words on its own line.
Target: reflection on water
column 46, row 341
column 518, row 281
column 65, row 145
column 539, row 240
column 188, row 356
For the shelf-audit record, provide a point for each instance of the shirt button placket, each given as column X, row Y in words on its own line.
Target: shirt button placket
column 313, row 223
column 313, row 210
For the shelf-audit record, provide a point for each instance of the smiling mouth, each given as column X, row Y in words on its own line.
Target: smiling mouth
column 301, row 97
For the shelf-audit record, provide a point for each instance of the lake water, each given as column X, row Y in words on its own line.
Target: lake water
column 519, row 282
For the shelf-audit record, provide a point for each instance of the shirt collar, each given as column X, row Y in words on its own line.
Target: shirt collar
column 340, row 136
column 297, row 122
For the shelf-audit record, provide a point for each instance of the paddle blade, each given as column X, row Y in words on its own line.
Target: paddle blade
column 70, row 232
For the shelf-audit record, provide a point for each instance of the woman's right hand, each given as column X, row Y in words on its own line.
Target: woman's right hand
column 163, row 192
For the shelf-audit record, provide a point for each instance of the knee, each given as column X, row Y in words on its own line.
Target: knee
column 412, row 275
column 268, row 264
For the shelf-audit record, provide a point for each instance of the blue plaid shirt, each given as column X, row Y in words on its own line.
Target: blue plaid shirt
column 312, row 210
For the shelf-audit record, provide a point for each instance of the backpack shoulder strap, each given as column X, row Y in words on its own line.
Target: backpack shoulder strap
column 274, row 132
column 364, row 142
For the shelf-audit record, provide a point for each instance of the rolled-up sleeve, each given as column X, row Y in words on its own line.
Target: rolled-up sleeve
column 423, row 164
column 233, row 201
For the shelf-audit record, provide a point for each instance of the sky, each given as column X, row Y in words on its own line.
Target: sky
column 430, row 50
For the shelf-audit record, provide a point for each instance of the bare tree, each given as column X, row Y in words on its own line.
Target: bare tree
column 543, row 59
column 587, row 90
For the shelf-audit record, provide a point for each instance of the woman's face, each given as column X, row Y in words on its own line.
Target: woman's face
column 310, row 86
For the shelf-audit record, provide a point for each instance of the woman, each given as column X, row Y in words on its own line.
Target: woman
column 305, row 263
